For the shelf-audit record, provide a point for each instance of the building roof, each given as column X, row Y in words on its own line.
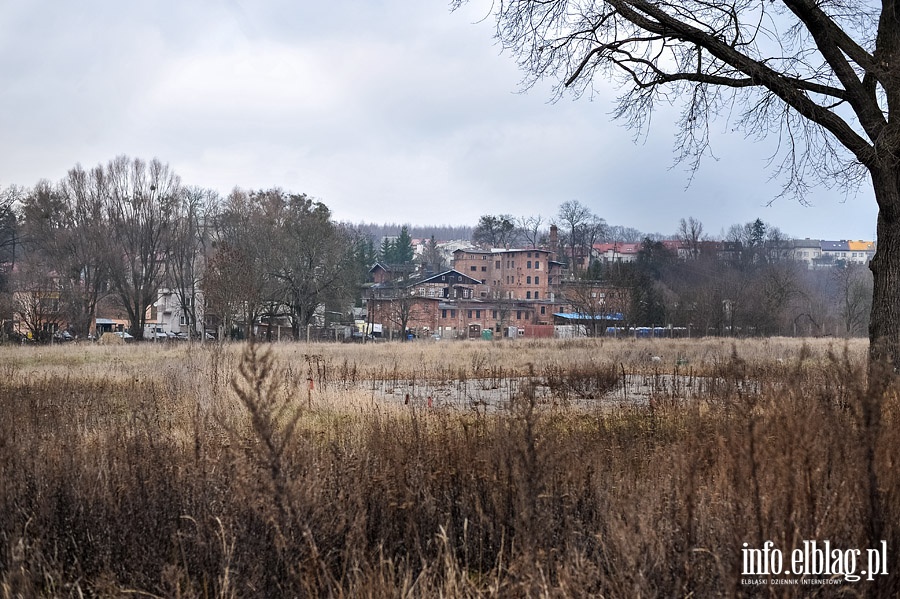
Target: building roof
column 835, row 246
column 435, row 278
column 861, row 246
column 500, row 250
column 617, row 248
column 403, row 268
column 412, row 281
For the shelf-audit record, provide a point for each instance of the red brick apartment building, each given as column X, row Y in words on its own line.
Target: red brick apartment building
column 486, row 289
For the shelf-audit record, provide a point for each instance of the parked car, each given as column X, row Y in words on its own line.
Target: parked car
column 63, row 336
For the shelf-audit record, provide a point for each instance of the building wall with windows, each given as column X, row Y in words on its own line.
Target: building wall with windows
column 520, row 274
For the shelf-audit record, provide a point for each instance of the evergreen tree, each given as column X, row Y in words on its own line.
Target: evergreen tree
column 386, row 253
column 403, row 249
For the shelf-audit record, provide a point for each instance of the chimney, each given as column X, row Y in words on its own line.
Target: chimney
column 554, row 241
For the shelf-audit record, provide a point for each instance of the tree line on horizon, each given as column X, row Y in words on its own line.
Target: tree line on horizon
column 119, row 233
column 753, row 289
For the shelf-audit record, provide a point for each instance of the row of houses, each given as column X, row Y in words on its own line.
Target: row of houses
column 815, row 253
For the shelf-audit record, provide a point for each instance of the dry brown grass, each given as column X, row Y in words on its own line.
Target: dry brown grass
column 201, row 471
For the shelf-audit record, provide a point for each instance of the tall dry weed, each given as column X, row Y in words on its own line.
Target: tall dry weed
column 215, row 475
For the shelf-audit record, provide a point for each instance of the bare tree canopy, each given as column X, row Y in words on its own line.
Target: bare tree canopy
column 821, row 75
column 581, row 228
column 496, row 231
column 690, row 233
column 141, row 200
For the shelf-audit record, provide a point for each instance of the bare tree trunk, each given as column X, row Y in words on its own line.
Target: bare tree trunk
column 884, row 324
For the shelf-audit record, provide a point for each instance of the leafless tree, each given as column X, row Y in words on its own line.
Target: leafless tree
column 239, row 281
column 531, row 228
column 37, row 297
column 9, row 198
column 760, row 243
column 580, row 228
column 402, row 308
column 66, row 224
column 9, row 240
column 316, row 264
column 190, row 247
column 853, row 293
column 142, row 199
column 622, row 234
column 588, row 298
column 821, row 75
column 690, row 233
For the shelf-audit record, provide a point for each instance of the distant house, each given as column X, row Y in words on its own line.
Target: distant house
column 835, row 251
column 382, row 272
column 808, row 251
column 618, row 252
column 861, row 252
column 167, row 316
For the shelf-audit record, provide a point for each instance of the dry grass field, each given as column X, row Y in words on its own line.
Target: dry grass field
column 221, row 471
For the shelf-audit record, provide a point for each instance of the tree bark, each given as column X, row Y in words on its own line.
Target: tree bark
column 884, row 324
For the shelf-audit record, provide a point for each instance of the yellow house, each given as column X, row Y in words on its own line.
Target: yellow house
column 861, row 251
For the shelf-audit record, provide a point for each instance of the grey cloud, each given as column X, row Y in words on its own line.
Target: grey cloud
column 387, row 111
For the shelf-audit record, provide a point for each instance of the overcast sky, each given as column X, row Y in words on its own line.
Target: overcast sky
column 387, row 111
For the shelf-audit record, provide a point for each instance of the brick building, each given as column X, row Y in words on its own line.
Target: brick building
column 496, row 289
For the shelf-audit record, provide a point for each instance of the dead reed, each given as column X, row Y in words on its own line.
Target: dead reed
column 218, row 472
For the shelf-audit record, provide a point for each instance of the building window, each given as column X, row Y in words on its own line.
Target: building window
column 528, row 280
column 470, row 314
column 537, row 265
column 536, row 294
column 518, row 315
column 484, row 269
column 549, row 280
column 477, row 313
column 529, row 262
column 494, row 314
column 452, row 313
column 473, row 268
column 444, row 313
column 537, row 280
column 527, row 295
column 497, row 264
column 529, row 255
column 543, row 310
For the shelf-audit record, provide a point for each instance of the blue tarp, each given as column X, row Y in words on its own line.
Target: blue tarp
column 579, row 316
